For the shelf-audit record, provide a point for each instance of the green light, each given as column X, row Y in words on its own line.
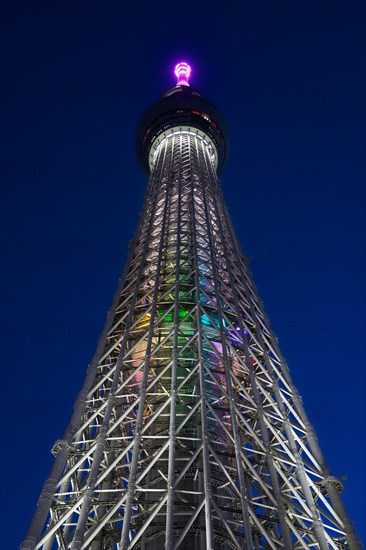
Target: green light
column 181, row 314
column 169, row 317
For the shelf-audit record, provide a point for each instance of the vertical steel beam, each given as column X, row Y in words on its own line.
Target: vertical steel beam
column 207, row 191
column 137, row 436
column 173, row 387
column 204, row 430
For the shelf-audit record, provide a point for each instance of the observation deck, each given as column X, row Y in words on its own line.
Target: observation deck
column 182, row 106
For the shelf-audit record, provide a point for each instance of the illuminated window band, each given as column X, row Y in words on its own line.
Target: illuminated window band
column 210, row 146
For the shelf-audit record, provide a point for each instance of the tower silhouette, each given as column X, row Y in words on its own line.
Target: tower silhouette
column 188, row 432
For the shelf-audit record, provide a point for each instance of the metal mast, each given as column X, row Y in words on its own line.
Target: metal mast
column 188, row 432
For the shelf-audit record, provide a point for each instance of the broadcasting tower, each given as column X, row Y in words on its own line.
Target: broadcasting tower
column 188, row 432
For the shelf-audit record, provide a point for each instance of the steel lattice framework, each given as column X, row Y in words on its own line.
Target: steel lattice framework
column 189, row 432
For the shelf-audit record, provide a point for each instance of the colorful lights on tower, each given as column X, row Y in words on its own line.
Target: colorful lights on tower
column 188, row 433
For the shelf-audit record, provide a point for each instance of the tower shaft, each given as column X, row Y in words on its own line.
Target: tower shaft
column 189, row 433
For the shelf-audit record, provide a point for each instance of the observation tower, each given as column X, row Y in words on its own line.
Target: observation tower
column 188, row 432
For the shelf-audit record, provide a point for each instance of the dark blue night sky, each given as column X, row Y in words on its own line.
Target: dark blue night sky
column 76, row 79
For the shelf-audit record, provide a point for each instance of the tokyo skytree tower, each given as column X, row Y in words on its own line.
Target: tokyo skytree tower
column 188, row 432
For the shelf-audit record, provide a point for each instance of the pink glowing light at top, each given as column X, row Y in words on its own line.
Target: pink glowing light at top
column 182, row 71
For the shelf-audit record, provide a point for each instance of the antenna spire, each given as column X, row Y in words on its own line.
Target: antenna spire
column 182, row 71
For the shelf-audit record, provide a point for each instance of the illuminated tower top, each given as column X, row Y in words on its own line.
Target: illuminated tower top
column 182, row 71
column 182, row 107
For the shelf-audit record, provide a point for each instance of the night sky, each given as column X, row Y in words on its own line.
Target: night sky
column 76, row 79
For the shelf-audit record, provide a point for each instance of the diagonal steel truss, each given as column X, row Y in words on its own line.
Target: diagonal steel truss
column 189, row 432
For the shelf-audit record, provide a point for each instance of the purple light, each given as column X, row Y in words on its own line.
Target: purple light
column 182, row 71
